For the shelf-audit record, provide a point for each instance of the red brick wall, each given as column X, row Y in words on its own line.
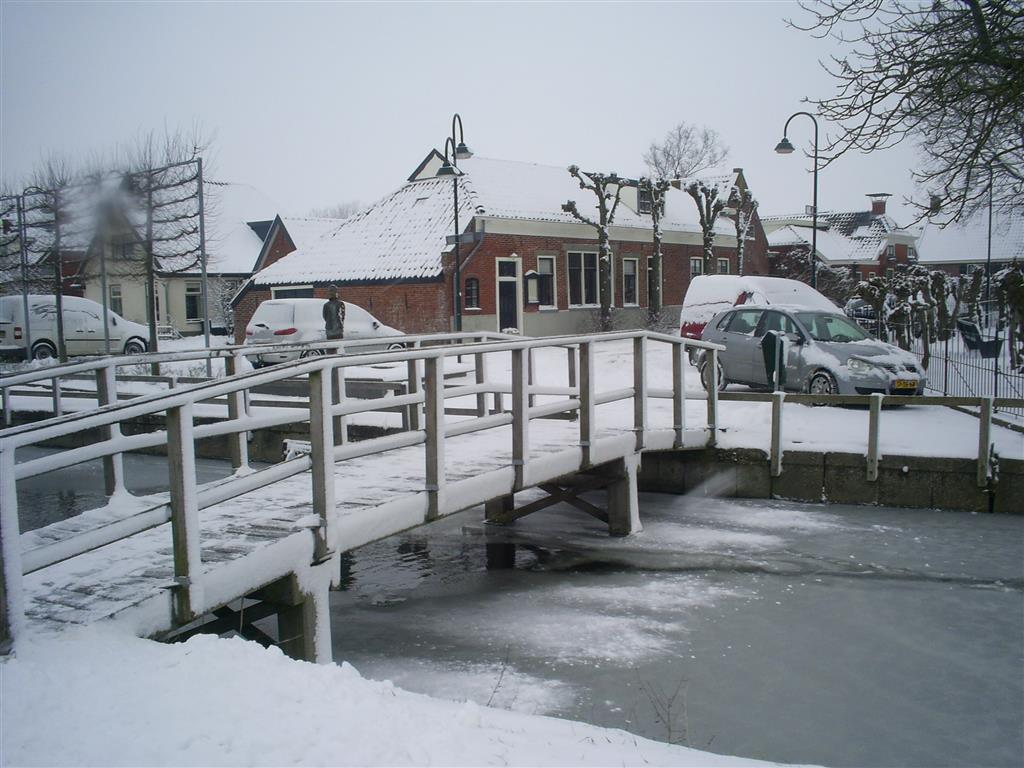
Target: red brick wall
column 280, row 246
column 409, row 307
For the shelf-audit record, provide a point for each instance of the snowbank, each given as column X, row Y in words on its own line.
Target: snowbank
column 94, row 697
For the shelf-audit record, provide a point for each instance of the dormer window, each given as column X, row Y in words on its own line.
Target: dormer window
column 644, row 201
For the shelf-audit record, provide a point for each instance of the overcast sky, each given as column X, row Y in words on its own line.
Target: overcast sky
column 320, row 103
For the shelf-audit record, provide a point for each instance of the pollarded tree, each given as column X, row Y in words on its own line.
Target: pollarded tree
column 949, row 76
column 685, row 151
column 709, row 206
column 875, row 292
column 743, row 205
column 655, row 189
column 607, row 187
column 1009, row 285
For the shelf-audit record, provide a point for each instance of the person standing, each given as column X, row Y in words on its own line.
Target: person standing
column 334, row 315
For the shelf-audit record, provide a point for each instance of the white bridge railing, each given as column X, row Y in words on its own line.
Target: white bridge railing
column 327, row 412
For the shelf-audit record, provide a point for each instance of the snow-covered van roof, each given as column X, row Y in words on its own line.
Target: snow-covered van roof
column 708, row 295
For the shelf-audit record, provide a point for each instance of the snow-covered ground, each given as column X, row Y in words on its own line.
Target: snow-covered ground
column 93, row 697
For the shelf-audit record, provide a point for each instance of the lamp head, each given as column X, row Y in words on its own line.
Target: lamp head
column 462, row 152
column 784, row 147
column 446, row 170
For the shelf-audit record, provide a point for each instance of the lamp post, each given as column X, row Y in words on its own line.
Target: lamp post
column 451, row 168
column 785, row 148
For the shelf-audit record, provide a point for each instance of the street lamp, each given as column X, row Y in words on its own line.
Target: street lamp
column 784, row 148
column 451, row 168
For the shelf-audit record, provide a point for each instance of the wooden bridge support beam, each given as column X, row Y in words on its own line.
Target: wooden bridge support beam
column 238, row 443
column 623, row 498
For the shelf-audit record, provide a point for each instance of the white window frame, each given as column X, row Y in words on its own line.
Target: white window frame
column 554, row 280
column 696, row 266
column 597, row 265
column 636, row 282
column 722, row 261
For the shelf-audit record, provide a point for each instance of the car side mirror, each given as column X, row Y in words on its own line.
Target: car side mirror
column 796, row 338
column 376, row 325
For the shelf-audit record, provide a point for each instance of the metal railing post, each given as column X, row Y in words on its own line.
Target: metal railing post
column 58, row 408
column 713, row 400
column 874, row 432
column 678, row 394
column 113, row 465
column 586, row 400
column 639, row 390
column 434, row 424
column 984, row 439
column 321, row 441
column 480, row 376
column 238, row 445
column 12, row 607
column 520, row 415
column 181, row 460
column 776, row 448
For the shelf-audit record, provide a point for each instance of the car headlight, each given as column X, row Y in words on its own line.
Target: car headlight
column 857, row 365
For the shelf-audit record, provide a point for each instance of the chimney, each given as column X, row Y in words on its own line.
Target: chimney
column 878, row 202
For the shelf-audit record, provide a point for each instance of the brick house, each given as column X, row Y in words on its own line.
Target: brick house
column 964, row 248
column 525, row 264
column 866, row 242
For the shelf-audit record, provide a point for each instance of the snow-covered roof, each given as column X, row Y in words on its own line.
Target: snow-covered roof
column 232, row 245
column 305, row 231
column 403, row 235
column 843, row 237
column 969, row 242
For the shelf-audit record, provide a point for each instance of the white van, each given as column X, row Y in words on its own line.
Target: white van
column 83, row 328
column 301, row 321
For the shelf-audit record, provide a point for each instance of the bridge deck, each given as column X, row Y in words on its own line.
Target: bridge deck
column 258, row 537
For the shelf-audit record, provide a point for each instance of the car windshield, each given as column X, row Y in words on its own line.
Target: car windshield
column 824, row 326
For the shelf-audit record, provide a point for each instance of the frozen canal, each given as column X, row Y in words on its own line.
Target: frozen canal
column 841, row 636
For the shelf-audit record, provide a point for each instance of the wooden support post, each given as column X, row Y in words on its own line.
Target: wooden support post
column 571, row 355
column 639, row 390
column 113, row 465
column 499, row 510
column 238, row 445
column 776, row 449
column 713, row 400
column 874, row 425
column 7, row 394
column 434, row 418
column 321, row 441
column 530, row 376
column 338, row 396
column 58, row 408
column 520, row 415
column 181, row 460
column 678, row 395
column 586, row 400
column 297, row 619
column 480, row 376
column 623, row 498
column 984, row 440
column 12, row 607
column 412, row 387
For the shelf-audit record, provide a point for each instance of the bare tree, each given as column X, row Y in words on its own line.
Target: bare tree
column 337, row 211
column 655, row 189
column 685, row 151
column 608, row 188
column 742, row 206
column 709, row 206
column 946, row 75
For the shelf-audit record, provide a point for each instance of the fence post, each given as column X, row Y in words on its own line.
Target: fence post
column 639, row 389
column 678, row 394
column 520, row 414
column 338, row 396
column 434, row 418
column 776, row 449
column 12, row 607
column 586, row 400
column 58, row 408
column 713, row 400
column 8, row 394
column 181, row 460
column 984, row 439
column 321, row 442
column 412, row 387
column 530, row 380
column 113, row 465
column 238, row 445
column 480, row 375
column 874, row 431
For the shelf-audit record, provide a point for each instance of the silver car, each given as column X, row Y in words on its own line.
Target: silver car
column 825, row 353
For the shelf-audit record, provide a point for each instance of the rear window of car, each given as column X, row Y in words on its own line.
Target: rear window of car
column 273, row 314
column 744, row 321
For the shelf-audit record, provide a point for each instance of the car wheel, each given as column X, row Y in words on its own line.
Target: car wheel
column 312, row 353
column 705, row 370
column 823, row 383
column 134, row 347
column 43, row 350
column 396, row 347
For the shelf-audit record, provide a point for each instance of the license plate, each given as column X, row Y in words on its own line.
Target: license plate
column 905, row 384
